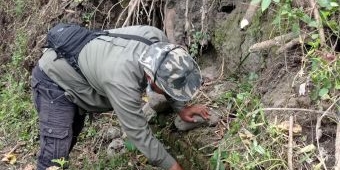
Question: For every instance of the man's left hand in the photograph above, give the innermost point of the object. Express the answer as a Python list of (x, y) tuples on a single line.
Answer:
[(188, 112)]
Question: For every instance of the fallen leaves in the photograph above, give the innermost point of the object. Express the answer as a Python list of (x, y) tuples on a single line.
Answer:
[(284, 126), (9, 158)]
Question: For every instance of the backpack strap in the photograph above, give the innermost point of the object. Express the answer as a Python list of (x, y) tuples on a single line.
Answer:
[(127, 36)]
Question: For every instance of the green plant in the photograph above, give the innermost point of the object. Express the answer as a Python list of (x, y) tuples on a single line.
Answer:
[(17, 112), (19, 7), (61, 162), (86, 17), (198, 38)]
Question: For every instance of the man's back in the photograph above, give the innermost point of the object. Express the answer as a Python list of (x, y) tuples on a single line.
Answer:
[(103, 60)]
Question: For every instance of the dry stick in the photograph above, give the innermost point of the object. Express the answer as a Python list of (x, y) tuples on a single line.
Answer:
[(315, 8), (290, 143), (15, 148), (272, 42), (187, 24), (151, 9), (319, 132), (109, 12), (290, 44), (337, 148), (132, 7), (120, 16), (327, 113)]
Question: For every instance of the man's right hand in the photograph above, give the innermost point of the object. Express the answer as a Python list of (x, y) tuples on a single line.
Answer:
[(176, 166)]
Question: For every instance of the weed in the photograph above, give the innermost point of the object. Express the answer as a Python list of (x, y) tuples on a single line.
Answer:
[(250, 142), (198, 38), (61, 162), (17, 112), (19, 7)]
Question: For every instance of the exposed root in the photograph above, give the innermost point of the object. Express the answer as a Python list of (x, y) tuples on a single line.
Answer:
[(279, 40)]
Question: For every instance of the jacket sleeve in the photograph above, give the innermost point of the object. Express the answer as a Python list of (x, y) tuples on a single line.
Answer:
[(127, 104)]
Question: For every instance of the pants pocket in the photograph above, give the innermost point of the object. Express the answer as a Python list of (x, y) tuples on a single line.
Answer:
[(54, 144)]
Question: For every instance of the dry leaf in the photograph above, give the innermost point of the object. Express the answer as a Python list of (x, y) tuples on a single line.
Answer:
[(308, 148), (9, 158), (29, 167), (246, 136), (284, 126)]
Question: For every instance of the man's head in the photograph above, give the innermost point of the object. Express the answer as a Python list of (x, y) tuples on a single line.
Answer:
[(172, 69)]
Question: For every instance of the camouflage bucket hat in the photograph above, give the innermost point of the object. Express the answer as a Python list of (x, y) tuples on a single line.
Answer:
[(172, 69)]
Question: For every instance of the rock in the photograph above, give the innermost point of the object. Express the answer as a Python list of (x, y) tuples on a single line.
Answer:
[(113, 133), (116, 147), (292, 102), (304, 101), (184, 126), (209, 73), (279, 102)]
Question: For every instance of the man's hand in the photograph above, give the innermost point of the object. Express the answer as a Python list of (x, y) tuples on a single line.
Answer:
[(176, 166), (188, 112)]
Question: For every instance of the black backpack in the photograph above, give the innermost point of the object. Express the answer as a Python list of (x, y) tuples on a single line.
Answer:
[(67, 40)]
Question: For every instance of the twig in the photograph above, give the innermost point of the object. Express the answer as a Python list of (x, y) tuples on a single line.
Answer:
[(319, 132), (187, 24), (15, 147), (326, 113), (290, 44), (290, 143), (132, 7), (315, 8), (121, 14), (272, 42)]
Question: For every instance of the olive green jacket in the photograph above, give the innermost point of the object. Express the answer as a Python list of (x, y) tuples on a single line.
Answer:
[(114, 79)]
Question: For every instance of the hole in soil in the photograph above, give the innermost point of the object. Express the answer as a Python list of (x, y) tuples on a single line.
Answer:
[(337, 46), (227, 8)]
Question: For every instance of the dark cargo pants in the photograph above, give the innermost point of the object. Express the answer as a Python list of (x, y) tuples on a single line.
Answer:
[(59, 120)]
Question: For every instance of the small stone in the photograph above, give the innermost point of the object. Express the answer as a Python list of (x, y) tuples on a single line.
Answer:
[(304, 101), (279, 102), (113, 133), (116, 147), (184, 126), (292, 103)]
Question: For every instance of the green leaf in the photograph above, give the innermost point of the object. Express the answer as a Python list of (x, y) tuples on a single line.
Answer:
[(337, 85), (315, 36), (334, 4), (276, 1), (130, 146), (313, 24), (265, 4), (323, 3), (323, 92)]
